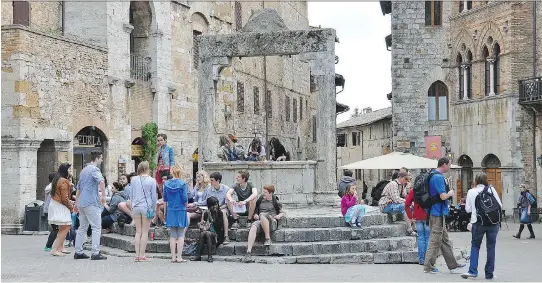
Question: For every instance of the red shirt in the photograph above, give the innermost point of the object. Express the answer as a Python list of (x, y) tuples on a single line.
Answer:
[(419, 212)]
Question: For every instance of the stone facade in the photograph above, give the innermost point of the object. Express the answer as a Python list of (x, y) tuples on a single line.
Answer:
[(366, 136), (97, 67), (485, 129)]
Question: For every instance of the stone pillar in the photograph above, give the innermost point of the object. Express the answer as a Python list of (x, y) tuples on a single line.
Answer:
[(19, 178), (323, 70), (491, 77), (465, 81), (209, 71)]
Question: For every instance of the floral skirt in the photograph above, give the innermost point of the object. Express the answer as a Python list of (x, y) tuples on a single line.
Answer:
[(352, 210)]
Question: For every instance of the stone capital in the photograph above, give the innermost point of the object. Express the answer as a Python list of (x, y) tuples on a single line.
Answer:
[(218, 64), (128, 28), (112, 80), (490, 60), (17, 144), (129, 83)]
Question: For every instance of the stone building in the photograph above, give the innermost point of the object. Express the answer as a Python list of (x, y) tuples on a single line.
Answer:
[(466, 71), (365, 136), (77, 76)]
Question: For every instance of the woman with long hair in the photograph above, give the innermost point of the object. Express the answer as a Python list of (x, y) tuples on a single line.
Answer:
[(61, 207), (165, 158), (256, 151), (175, 202), (199, 195), (143, 199), (211, 228), (525, 203)]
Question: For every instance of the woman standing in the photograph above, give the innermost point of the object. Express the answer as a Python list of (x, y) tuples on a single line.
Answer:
[(175, 202), (525, 203), (143, 198), (165, 158), (415, 212), (60, 207)]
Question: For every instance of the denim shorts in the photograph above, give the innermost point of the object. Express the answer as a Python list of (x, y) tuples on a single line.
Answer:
[(395, 208), (139, 211)]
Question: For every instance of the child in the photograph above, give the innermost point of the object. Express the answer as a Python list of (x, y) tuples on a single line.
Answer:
[(352, 211)]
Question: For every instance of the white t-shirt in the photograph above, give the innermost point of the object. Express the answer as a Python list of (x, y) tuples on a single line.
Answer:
[(470, 205)]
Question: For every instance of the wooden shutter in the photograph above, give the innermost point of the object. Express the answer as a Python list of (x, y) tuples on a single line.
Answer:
[(459, 190), (238, 14), (21, 13), (494, 178)]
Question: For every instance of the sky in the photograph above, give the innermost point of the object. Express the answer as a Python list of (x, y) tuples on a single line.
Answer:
[(363, 59)]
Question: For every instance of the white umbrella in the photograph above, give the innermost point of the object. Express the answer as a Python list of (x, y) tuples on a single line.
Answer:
[(395, 160)]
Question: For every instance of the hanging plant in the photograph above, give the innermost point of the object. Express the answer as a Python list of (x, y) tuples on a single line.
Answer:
[(149, 132)]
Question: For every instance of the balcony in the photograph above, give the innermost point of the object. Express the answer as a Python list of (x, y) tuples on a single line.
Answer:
[(140, 68), (530, 91)]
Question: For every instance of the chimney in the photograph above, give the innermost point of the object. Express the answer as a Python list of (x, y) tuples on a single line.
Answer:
[(367, 110)]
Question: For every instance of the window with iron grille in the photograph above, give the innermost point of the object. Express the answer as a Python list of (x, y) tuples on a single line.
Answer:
[(21, 13), (238, 14), (256, 100), (240, 97), (287, 102), (341, 140), (294, 106), (195, 49), (268, 106)]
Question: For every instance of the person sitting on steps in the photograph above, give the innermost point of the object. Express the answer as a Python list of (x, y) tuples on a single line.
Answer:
[(268, 212), (211, 229), (391, 201), (351, 210), (246, 195)]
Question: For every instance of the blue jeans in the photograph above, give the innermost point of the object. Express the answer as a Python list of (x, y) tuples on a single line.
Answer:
[(478, 232), (394, 208), (423, 239)]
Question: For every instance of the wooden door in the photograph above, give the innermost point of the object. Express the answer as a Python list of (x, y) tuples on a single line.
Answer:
[(459, 190), (494, 178)]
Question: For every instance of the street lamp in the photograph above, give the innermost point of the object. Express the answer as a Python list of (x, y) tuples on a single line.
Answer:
[(539, 159), (450, 156)]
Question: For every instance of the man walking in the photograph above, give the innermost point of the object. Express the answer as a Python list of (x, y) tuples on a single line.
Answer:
[(89, 203), (438, 239)]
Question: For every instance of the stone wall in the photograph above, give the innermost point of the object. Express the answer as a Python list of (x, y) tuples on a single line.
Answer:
[(417, 59), (375, 141), (294, 181)]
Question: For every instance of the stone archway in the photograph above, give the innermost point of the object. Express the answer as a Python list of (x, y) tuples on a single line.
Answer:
[(88, 139), (492, 167), (466, 177), (46, 162)]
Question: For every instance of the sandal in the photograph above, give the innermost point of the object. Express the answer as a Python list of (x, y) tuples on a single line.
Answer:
[(137, 259), (57, 253), (66, 252), (181, 260), (144, 258)]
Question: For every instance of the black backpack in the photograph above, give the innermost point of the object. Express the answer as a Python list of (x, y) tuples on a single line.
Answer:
[(422, 196), (488, 209), (377, 190)]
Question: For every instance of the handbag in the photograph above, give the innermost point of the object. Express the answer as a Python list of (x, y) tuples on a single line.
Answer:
[(205, 225), (150, 211)]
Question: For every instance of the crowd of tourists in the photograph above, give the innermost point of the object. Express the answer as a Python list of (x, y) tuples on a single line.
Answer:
[(92, 207), (424, 204), (167, 200)]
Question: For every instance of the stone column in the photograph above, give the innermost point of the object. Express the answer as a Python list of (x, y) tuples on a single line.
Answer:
[(465, 81), (19, 179), (209, 71), (491, 77), (323, 70)]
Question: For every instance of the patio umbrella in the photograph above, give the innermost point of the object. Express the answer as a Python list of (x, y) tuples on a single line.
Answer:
[(395, 160)]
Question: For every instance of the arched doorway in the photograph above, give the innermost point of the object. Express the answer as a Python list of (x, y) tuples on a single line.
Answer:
[(492, 168), (85, 141), (137, 150), (46, 165), (466, 178)]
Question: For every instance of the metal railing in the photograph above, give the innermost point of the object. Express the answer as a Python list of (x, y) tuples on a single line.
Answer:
[(530, 90), (140, 68)]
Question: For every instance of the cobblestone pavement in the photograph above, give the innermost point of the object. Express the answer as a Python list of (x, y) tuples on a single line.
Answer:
[(23, 259)]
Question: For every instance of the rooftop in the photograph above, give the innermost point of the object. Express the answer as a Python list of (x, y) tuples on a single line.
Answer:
[(366, 118)]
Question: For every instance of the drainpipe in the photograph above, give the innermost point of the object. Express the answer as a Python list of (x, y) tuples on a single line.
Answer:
[(534, 40), (535, 185)]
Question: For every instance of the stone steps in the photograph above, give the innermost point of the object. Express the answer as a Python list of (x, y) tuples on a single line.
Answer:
[(126, 243), (388, 257)]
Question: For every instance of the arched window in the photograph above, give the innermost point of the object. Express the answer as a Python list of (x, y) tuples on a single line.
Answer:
[(469, 74), (199, 26), (485, 55), (437, 102), (459, 61), (496, 68)]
